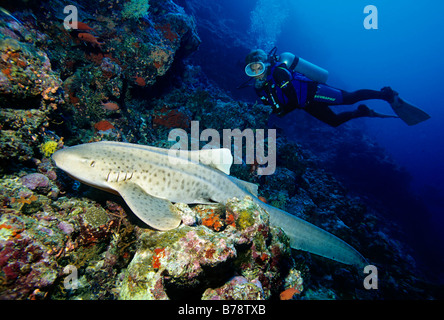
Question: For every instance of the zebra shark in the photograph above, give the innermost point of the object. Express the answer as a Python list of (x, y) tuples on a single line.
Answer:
[(149, 179)]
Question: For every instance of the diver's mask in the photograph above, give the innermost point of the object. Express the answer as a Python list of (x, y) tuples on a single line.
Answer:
[(255, 69)]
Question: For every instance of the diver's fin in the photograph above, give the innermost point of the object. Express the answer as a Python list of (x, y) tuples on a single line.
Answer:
[(375, 114), (407, 112), (364, 111)]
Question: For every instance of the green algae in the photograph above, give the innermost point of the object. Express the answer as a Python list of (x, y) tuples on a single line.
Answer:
[(245, 219), (95, 216), (160, 239)]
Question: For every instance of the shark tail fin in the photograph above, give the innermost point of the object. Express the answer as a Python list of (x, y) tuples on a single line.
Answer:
[(307, 237), (6, 12)]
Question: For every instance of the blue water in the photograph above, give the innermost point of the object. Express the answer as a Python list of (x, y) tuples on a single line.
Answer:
[(405, 52)]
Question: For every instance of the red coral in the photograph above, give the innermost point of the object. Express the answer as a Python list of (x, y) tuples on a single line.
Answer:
[(11, 272), (7, 72), (210, 253), (158, 64), (14, 233), (158, 253), (167, 32), (140, 81), (73, 99), (97, 58), (213, 221), (230, 220), (171, 119)]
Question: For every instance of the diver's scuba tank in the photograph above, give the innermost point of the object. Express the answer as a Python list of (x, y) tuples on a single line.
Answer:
[(300, 65)]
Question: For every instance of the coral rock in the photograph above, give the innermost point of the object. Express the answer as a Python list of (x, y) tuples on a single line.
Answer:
[(238, 288), (26, 72), (203, 261), (36, 182)]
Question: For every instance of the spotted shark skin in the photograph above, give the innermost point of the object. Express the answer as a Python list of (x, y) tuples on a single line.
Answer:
[(149, 179)]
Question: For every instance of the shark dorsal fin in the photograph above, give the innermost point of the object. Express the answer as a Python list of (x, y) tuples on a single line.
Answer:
[(219, 159)]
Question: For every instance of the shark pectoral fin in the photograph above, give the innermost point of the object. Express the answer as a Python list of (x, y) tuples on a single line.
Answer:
[(155, 212)]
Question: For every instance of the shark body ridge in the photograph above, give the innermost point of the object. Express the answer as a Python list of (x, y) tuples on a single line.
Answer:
[(149, 179)]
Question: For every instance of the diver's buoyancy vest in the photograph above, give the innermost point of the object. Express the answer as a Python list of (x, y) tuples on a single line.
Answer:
[(278, 95)]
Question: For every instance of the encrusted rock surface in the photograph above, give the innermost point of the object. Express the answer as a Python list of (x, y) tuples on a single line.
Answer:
[(193, 260)]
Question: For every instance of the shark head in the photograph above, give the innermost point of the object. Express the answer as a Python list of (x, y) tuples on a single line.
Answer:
[(82, 163)]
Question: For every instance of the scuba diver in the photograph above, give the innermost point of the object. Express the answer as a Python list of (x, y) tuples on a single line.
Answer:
[(287, 82)]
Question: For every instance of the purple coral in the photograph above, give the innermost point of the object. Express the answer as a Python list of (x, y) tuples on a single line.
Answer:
[(36, 182), (66, 227)]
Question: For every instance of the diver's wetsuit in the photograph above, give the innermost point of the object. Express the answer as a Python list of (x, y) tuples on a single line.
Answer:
[(285, 94), (321, 110)]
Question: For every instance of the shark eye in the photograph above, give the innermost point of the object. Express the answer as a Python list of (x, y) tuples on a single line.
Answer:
[(93, 163)]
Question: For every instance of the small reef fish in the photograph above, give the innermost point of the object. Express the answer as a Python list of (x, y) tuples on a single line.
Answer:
[(112, 106), (149, 179), (83, 26), (288, 294), (87, 37)]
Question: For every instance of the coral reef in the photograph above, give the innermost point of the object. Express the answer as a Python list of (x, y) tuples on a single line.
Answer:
[(135, 9), (26, 73), (203, 260), (171, 119), (29, 92), (131, 80), (49, 147), (238, 288)]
